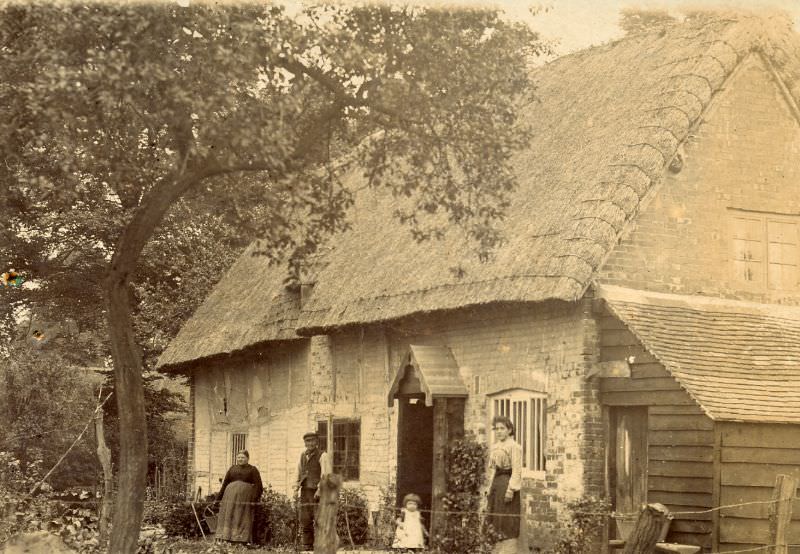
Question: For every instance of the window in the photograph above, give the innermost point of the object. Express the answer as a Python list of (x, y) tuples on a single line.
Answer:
[(527, 411), (238, 443), (346, 446), (765, 249)]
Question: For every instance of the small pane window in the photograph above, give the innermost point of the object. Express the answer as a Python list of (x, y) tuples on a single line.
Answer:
[(765, 249), (346, 446)]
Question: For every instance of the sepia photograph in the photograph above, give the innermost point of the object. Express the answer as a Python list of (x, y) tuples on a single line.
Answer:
[(474, 277)]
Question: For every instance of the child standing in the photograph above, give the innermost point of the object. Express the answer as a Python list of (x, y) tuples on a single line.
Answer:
[(410, 533)]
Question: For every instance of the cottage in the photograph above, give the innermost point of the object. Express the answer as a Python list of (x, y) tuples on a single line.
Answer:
[(639, 324)]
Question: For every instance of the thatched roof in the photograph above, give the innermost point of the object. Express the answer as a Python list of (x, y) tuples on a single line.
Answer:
[(739, 360), (608, 123), (250, 304)]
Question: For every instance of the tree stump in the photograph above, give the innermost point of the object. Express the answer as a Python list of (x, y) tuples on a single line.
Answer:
[(647, 531), (325, 539)]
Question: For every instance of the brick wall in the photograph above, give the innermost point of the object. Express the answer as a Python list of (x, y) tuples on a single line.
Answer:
[(742, 156), (545, 347)]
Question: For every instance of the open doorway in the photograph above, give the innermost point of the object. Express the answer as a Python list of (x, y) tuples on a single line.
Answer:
[(415, 451)]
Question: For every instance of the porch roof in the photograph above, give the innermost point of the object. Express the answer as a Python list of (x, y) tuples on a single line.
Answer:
[(740, 361), (437, 371)]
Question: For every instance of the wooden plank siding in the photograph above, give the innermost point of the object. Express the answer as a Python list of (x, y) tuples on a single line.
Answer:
[(751, 456), (680, 435)]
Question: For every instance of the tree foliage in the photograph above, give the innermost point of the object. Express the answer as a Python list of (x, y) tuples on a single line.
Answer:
[(135, 136), (44, 404)]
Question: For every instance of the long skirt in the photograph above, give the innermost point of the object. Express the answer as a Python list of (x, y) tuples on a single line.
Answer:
[(235, 519), (506, 525)]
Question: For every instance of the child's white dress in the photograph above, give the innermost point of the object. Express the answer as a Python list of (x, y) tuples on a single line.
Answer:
[(409, 533)]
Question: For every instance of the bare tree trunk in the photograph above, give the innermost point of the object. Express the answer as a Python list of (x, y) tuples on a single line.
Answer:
[(325, 539), (129, 505), (104, 454), (645, 535)]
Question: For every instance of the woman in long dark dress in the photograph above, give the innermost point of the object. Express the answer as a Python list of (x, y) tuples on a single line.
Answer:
[(240, 492), (506, 478)]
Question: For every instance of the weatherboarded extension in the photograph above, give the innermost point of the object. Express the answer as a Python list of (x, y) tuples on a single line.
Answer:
[(680, 437), (752, 455)]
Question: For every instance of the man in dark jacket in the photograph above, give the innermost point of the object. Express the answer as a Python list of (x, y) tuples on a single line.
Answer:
[(314, 465)]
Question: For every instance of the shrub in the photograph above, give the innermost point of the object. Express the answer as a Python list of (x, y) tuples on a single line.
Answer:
[(69, 515), (588, 515), (275, 521), (180, 520), (382, 534), (156, 510), (352, 516), (460, 529)]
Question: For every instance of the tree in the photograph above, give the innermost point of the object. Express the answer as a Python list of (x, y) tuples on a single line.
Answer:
[(633, 20), (125, 113), (161, 405), (44, 404)]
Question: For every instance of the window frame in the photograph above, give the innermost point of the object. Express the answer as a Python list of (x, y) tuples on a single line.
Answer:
[(234, 444), (763, 283), (532, 407), (349, 472)]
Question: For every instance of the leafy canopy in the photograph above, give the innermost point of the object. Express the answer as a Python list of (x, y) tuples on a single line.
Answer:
[(104, 104)]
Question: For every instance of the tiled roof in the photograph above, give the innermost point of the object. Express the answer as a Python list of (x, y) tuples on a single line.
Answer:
[(437, 371), (739, 360)]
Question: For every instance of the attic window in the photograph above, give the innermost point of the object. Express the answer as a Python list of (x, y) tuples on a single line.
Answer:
[(765, 249)]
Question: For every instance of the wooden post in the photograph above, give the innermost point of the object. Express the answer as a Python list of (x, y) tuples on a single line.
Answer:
[(104, 454), (780, 513), (439, 478), (325, 539), (647, 531)]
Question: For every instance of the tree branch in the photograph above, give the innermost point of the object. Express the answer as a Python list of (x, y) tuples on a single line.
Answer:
[(297, 68)]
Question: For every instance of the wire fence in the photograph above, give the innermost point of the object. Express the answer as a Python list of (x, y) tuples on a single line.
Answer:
[(95, 499)]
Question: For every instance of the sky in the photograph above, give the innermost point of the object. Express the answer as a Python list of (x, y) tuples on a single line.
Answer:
[(578, 24)]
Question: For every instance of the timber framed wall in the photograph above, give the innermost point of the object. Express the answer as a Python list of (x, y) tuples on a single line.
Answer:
[(680, 437), (751, 456)]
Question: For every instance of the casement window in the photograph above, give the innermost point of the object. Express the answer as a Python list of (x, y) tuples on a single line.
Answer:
[(238, 443), (765, 249), (527, 411), (346, 445)]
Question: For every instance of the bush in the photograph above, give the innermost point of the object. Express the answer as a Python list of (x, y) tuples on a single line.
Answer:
[(69, 515), (352, 516), (180, 520), (157, 510), (382, 534), (275, 522), (588, 515), (460, 529)]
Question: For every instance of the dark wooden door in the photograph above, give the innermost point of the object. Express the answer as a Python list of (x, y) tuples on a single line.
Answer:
[(415, 450), (628, 458)]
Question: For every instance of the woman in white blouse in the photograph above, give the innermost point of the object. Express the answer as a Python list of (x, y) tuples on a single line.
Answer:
[(505, 474)]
